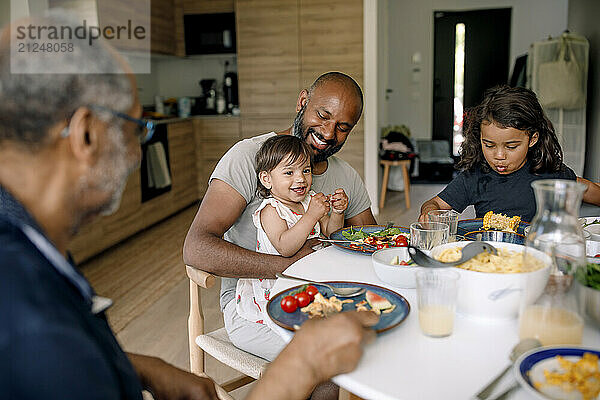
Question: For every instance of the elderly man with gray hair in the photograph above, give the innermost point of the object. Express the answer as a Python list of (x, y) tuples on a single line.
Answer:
[(68, 143)]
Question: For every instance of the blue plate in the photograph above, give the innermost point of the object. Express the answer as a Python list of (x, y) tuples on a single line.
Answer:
[(297, 318), (529, 368), (469, 225), (361, 249)]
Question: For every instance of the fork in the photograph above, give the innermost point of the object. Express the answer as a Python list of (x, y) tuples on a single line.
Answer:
[(345, 241), (338, 291)]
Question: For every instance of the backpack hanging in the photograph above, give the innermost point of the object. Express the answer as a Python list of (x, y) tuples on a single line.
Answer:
[(560, 81)]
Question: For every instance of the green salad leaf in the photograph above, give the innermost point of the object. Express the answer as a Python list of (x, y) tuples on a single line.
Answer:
[(299, 290), (387, 232), (589, 276), (354, 234)]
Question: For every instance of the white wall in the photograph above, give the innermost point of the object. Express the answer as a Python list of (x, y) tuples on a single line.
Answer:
[(178, 77), (411, 31), (147, 84), (583, 19)]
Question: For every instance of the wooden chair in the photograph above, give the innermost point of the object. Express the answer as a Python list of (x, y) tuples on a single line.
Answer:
[(404, 164), (216, 343)]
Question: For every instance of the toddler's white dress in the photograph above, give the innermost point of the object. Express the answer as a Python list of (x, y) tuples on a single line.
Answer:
[(252, 295)]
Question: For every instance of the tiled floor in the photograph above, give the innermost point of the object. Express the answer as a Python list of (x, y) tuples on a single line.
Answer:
[(162, 329)]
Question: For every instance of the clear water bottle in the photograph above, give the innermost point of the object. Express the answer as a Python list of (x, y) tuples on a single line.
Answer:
[(553, 316), (221, 105)]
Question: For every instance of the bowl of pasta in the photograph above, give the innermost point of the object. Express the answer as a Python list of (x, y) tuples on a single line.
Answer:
[(495, 286)]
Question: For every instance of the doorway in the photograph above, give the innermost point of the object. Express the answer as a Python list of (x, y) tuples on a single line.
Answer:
[(471, 54)]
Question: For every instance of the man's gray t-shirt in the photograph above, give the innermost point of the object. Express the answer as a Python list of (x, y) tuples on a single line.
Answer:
[(237, 169)]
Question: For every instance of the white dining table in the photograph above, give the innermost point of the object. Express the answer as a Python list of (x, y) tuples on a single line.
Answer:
[(404, 364)]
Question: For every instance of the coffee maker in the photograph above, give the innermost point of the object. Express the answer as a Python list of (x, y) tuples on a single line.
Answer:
[(230, 89), (205, 104)]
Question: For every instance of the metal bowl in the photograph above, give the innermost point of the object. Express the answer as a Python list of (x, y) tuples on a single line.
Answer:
[(496, 236)]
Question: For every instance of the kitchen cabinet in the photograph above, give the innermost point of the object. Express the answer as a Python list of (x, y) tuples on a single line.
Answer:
[(283, 47), (207, 6), (268, 57), (166, 23), (178, 11), (162, 23), (213, 137), (331, 35), (332, 40), (133, 215), (253, 126)]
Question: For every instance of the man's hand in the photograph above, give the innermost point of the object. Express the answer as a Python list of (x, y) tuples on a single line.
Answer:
[(321, 349), (333, 346), (166, 382), (339, 201), (318, 207), (435, 203)]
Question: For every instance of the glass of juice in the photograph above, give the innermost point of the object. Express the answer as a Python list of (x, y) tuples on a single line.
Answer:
[(436, 299), (553, 319)]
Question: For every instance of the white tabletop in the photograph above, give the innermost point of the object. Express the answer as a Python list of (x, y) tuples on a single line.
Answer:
[(404, 364)]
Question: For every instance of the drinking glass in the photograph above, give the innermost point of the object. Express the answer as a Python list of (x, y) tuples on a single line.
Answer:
[(427, 235), (449, 217), (436, 298)]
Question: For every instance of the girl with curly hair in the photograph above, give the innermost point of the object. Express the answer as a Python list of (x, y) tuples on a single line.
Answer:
[(509, 143)]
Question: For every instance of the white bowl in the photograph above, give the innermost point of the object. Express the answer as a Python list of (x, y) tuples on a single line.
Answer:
[(402, 276), (495, 295), (592, 247), (594, 231), (589, 298)]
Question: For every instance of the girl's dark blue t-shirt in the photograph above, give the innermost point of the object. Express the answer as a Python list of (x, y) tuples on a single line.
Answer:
[(510, 194)]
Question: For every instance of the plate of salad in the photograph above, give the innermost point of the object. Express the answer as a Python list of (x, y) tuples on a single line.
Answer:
[(366, 239)]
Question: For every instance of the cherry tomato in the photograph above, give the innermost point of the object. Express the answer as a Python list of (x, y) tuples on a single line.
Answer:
[(402, 263), (401, 241), (289, 304), (383, 246), (312, 292), (302, 298), (597, 255)]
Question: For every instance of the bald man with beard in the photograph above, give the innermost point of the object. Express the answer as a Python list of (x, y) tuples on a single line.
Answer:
[(222, 237)]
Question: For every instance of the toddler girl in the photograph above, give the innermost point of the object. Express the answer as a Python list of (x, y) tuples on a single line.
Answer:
[(289, 215), (509, 143)]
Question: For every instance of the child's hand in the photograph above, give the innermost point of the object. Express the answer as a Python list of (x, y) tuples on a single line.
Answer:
[(339, 201), (318, 206)]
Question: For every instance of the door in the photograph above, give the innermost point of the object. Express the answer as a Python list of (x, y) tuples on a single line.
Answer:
[(465, 68)]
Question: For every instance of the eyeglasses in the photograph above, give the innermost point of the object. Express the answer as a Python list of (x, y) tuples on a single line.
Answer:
[(144, 128)]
